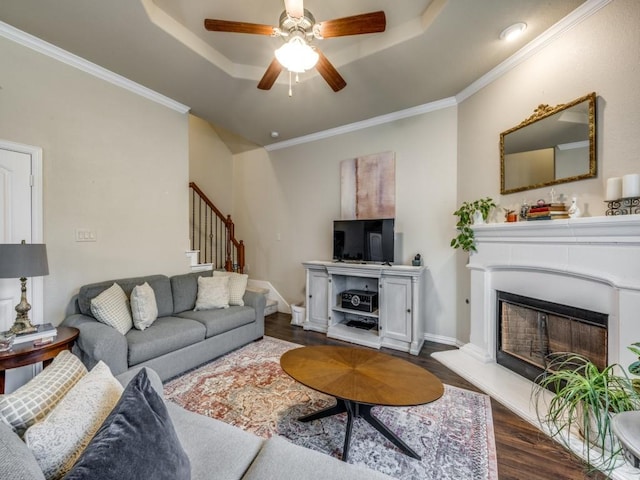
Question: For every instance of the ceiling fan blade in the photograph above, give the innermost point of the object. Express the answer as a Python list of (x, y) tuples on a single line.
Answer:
[(237, 27), (329, 73), (270, 76), (373, 22), (294, 8)]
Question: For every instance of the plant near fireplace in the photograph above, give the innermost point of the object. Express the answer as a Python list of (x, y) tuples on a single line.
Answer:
[(465, 238), (585, 398), (634, 368)]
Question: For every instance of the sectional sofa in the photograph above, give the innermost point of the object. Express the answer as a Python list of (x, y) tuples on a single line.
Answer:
[(178, 340), (214, 449)]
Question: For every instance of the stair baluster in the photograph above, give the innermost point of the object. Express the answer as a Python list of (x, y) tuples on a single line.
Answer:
[(213, 234)]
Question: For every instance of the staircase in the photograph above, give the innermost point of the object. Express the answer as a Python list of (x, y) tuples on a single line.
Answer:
[(214, 246), (212, 235)]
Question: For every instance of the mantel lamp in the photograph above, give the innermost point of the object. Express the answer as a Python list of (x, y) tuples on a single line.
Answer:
[(22, 260)]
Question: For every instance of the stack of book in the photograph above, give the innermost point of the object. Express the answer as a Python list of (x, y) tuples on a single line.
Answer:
[(44, 335), (547, 211)]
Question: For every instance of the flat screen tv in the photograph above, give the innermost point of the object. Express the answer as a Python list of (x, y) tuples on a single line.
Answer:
[(363, 240)]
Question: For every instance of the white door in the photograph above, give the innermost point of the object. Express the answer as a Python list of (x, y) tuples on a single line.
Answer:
[(18, 164), (15, 222)]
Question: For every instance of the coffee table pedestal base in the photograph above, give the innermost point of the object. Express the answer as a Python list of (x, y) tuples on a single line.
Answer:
[(355, 410)]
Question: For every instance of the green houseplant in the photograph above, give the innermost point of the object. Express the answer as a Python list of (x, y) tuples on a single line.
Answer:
[(465, 239), (585, 397), (634, 368)]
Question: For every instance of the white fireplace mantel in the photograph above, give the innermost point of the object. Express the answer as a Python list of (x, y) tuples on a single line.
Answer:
[(591, 263), (622, 228)]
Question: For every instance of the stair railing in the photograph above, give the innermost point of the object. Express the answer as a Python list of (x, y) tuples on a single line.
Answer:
[(213, 234)]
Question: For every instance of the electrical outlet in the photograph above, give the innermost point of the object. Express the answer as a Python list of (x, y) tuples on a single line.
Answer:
[(86, 235)]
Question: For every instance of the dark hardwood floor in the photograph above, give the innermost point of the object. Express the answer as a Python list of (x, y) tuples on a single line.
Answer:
[(523, 451)]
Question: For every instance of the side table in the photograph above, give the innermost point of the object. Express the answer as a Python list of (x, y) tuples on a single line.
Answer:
[(26, 353)]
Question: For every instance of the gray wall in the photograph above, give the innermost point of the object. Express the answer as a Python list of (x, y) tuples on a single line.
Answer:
[(285, 202), (113, 162), (601, 54)]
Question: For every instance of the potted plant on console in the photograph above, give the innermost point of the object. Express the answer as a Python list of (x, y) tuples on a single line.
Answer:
[(465, 239), (585, 397)]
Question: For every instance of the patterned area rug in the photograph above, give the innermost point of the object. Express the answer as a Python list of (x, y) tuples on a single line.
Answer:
[(248, 389)]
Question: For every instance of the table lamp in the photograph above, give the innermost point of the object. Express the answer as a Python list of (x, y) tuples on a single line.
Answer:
[(22, 260)]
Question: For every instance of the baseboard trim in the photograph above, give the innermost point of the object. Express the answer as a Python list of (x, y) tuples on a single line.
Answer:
[(429, 337), (283, 305)]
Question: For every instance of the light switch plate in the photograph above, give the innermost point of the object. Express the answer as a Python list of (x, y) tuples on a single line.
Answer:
[(86, 235)]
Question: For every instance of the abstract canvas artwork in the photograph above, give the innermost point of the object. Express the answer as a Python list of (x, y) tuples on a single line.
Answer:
[(368, 186)]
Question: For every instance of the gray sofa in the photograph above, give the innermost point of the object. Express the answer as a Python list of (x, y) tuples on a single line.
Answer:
[(178, 340), (215, 450)]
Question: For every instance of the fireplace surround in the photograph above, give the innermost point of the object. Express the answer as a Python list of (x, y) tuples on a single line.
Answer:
[(587, 263)]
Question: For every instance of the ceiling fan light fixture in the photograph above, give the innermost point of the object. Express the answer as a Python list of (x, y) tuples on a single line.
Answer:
[(297, 55), (513, 31)]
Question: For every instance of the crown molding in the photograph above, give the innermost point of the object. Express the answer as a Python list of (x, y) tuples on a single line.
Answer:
[(34, 43), (371, 122), (400, 34), (574, 18)]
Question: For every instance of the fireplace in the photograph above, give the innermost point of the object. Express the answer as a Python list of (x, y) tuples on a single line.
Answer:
[(532, 331), (590, 263)]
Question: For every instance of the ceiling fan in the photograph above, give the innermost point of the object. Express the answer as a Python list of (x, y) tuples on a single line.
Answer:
[(298, 28)]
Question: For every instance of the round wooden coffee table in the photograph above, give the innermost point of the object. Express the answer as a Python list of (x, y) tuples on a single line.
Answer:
[(360, 379), (27, 353)]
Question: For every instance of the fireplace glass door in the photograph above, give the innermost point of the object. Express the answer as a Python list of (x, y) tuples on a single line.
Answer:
[(531, 330)]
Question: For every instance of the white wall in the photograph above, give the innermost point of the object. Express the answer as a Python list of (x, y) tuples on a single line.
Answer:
[(601, 54), (210, 164), (114, 162), (119, 164), (285, 202)]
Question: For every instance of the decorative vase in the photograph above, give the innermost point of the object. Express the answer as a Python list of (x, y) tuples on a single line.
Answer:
[(478, 219), (574, 211)]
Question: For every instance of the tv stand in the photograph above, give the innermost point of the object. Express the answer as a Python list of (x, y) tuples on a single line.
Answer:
[(398, 321)]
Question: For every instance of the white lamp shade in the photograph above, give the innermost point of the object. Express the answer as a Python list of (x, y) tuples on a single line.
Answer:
[(296, 55), (19, 260)]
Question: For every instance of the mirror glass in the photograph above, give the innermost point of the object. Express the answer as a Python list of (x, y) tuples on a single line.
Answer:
[(554, 145)]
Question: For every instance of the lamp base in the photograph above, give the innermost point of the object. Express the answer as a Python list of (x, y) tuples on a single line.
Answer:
[(22, 325)]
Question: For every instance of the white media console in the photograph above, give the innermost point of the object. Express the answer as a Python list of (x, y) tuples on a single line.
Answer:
[(398, 321)]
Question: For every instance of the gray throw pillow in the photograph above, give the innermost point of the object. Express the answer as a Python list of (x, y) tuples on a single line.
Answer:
[(136, 441)]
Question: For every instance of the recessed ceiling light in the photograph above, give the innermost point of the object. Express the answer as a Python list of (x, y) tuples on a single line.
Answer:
[(275, 134), (513, 31)]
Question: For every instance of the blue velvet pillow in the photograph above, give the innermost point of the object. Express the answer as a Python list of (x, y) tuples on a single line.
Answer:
[(137, 440)]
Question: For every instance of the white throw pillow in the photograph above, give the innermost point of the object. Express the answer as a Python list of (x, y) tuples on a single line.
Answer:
[(144, 308), (213, 292), (111, 307), (34, 400), (237, 285), (58, 441)]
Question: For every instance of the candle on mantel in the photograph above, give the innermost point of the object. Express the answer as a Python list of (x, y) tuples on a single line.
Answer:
[(614, 188), (631, 185)]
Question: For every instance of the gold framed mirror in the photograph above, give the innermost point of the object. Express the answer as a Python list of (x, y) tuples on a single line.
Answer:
[(554, 145)]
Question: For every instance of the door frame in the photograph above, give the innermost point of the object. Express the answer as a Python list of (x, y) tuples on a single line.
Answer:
[(36, 293)]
